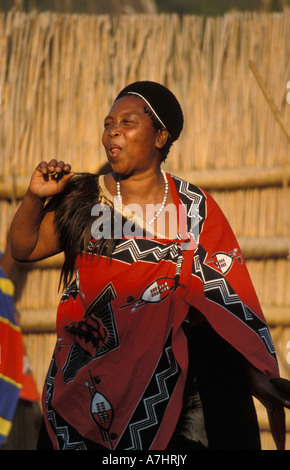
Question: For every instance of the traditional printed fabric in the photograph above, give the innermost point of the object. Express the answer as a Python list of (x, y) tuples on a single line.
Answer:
[(11, 357), (117, 376)]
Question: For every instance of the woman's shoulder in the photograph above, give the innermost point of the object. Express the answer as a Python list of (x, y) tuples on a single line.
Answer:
[(190, 193), (187, 188)]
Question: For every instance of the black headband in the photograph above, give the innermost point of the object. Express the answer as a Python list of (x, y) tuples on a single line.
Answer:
[(162, 103)]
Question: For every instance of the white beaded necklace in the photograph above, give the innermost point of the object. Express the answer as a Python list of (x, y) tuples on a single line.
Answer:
[(163, 202)]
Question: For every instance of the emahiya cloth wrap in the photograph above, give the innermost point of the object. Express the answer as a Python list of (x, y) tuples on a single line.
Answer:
[(162, 102)]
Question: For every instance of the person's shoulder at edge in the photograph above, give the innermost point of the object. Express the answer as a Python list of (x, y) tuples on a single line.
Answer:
[(188, 187)]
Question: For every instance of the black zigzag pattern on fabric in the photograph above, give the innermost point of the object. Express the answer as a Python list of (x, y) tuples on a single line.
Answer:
[(143, 249), (146, 419), (218, 290), (194, 200)]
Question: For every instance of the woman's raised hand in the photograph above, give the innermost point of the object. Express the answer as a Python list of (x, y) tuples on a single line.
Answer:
[(50, 178)]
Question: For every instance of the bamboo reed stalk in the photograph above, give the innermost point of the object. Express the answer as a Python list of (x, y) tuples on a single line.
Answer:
[(43, 320), (269, 99), (252, 247), (219, 68)]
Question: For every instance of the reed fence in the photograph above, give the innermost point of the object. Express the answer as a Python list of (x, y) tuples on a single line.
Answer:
[(59, 74)]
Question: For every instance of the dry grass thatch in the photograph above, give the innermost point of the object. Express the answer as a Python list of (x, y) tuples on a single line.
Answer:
[(58, 76)]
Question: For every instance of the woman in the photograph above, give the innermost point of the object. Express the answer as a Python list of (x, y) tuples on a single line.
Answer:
[(159, 335)]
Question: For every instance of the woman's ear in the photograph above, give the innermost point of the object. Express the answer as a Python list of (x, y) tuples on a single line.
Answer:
[(161, 138)]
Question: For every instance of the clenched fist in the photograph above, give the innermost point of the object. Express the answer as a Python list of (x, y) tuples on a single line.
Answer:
[(50, 178)]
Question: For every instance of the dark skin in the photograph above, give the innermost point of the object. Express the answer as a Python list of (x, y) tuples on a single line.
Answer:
[(33, 235), (132, 147)]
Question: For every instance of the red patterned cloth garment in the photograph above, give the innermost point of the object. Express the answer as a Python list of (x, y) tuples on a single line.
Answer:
[(118, 372)]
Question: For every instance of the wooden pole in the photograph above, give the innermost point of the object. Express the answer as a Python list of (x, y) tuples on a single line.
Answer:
[(221, 179), (269, 99)]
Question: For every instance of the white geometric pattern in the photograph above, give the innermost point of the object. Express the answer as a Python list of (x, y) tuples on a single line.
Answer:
[(156, 251), (151, 402)]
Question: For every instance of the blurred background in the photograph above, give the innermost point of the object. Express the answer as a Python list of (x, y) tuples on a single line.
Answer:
[(61, 65), (183, 7)]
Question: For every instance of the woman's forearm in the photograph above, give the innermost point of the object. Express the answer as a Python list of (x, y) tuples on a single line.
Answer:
[(25, 226), (32, 232)]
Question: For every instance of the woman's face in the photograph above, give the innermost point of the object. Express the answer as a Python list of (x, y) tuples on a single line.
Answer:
[(129, 138)]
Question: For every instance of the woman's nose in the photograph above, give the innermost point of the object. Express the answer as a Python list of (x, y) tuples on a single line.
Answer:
[(114, 130)]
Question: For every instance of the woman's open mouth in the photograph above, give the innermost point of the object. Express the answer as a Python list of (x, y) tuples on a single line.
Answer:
[(114, 151)]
